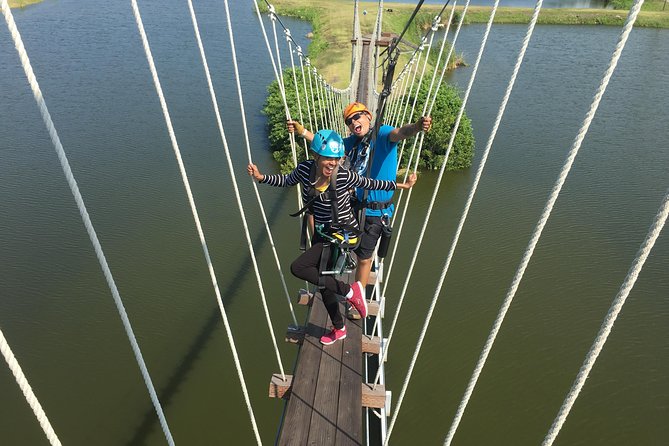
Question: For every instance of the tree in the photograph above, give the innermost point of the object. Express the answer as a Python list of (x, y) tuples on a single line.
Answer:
[(435, 142)]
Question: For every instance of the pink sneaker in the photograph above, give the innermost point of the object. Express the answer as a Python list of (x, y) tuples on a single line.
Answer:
[(358, 299), (332, 337)]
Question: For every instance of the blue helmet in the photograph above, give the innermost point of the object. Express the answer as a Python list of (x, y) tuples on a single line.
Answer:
[(328, 143)]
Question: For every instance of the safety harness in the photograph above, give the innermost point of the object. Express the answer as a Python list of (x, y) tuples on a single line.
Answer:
[(345, 238)]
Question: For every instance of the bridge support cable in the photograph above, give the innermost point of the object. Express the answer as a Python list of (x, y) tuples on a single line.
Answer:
[(453, 134), (191, 200), (281, 82), (399, 95), (278, 74), (536, 235), (436, 189), (248, 151), (500, 114), (304, 86), (74, 188), (289, 39), (233, 177), (22, 381), (611, 316), (431, 205)]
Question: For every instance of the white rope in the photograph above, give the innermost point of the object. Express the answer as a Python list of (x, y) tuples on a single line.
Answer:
[(248, 152), (23, 383), (436, 188), (291, 136), (74, 188), (413, 147), (297, 89), (191, 200), (544, 218), (304, 84), (607, 326), (233, 177), (479, 172)]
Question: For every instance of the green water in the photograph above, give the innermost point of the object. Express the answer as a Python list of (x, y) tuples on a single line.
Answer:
[(57, 312)]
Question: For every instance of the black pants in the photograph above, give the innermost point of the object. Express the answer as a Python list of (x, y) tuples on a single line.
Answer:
[(306, 267)]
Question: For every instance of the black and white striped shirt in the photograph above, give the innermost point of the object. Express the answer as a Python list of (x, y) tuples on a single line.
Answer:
[(346, 181)]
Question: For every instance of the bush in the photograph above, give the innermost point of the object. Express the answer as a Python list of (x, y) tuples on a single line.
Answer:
[(435, 143)]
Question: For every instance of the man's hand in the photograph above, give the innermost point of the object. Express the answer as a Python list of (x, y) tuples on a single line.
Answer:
[(424, 123)]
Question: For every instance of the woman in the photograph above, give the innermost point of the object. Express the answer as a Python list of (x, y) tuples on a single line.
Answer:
[(317, 176)]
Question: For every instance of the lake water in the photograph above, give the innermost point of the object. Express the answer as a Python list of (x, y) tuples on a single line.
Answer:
[(57, 313)]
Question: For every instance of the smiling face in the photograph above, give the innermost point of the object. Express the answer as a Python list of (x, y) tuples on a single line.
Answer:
[(326, 166), (358, 123)]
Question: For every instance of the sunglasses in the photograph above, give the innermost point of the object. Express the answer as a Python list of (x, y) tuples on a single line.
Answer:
[(355, 117)]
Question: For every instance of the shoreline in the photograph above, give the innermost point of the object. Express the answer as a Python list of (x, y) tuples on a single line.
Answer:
[(22, 3), (330, 49)]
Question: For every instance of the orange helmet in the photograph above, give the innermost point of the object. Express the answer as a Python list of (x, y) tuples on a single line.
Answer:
[(355, 107)]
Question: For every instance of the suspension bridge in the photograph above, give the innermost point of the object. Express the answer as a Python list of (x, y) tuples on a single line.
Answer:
[(338, 373)]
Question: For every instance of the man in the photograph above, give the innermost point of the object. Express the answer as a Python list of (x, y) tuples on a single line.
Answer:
[(383, 153)]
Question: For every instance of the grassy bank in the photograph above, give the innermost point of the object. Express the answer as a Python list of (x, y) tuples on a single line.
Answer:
[(22, 3), (332, 22)]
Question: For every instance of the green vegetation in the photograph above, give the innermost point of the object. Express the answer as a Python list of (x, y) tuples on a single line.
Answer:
[(434, 146), (22, 3), (332, 22)]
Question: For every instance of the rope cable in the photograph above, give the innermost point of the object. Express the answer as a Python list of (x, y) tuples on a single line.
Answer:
[(544, 217), (406, 205), (191, 200), (611, 316), (74, 188), (233, 177), (23, 383), (436, 190)]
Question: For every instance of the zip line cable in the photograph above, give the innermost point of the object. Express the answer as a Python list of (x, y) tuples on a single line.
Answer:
[(74, 188), (612, 315), (196, 218), (544, 217)]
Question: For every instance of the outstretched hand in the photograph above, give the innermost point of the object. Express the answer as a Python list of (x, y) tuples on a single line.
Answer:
[(295, 127), (424, 123), (411, 180), (253, 171)]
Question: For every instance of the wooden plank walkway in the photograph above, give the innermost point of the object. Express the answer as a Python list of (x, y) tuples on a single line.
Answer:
[(325, 399)]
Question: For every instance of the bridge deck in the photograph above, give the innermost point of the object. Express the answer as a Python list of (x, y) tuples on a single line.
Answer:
[(325, 403)]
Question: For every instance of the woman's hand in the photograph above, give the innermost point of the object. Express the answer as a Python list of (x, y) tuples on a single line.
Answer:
[(253, 171), (410, 182)]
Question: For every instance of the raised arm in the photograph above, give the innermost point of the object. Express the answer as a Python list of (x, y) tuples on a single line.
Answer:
[(277, 180), (299, 129), (423, 124)]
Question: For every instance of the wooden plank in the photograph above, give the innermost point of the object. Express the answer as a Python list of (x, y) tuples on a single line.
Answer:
[(372, 308), (278, 388), (324, 417), (373, 398), (295, 429), (371, 344), (304, 297), (349, 417)]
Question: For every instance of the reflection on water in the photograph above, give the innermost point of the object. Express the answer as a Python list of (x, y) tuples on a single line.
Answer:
[(59, 318)]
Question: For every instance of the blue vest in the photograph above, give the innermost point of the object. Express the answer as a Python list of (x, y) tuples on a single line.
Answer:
[(384, 167)]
